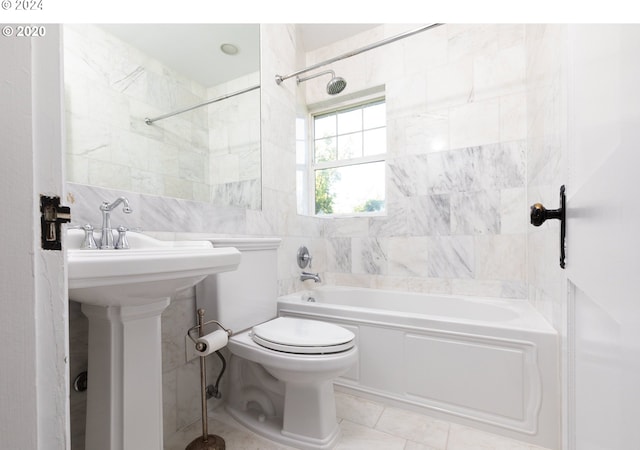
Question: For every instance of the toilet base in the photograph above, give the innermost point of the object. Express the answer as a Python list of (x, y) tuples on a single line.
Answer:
[(271, 428), (286, 397)]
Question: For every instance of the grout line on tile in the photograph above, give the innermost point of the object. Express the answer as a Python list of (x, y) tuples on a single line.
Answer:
[(384, 408), (446, 442)]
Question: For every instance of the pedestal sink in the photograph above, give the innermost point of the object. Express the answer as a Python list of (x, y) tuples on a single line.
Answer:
[(123, 293)]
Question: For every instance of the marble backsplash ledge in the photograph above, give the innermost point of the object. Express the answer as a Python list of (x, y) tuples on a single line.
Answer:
[(152, 213)]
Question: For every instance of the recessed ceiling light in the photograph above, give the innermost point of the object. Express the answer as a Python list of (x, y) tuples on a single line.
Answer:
[(229, 49)]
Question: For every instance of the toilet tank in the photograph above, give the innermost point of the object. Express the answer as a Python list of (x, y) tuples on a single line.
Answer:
[(247, 296)]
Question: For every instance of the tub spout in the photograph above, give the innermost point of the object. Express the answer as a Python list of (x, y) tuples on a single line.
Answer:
[(310, 276)]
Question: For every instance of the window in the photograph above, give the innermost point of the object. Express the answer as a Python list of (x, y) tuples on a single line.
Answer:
[(348, 160)]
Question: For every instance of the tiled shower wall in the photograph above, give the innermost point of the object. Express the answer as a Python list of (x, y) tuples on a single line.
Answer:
[(456, 164)]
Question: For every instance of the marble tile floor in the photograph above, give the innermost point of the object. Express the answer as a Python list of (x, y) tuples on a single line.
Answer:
[(364, 425)]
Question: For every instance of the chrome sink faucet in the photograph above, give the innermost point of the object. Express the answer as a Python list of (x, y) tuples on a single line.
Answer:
[(107, 233)]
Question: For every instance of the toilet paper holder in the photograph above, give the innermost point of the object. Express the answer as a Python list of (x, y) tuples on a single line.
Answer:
[(206, 441), (200, 327)]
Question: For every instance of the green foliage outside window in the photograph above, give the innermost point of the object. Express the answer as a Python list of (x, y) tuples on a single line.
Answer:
[(324, 196), (370, 205)]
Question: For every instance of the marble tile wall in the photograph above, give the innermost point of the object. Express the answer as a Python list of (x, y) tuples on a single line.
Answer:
[(456, 165)]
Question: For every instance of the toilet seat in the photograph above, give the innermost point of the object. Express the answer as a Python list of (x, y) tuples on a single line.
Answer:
[(302, 336)]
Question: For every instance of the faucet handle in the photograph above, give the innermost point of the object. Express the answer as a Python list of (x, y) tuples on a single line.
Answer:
[(89, 242), (304, 258), (122, 243)]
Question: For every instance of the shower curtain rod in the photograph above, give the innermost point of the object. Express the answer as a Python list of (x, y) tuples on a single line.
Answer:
[(281, 78), (149, 121)]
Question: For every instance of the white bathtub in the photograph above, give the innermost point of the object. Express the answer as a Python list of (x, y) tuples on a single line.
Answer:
[(488, 363)]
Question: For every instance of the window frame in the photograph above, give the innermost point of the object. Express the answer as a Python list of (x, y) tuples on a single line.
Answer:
[(312, 166)]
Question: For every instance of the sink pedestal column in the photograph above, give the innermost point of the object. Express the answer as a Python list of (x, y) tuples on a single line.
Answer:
[(124, 390)]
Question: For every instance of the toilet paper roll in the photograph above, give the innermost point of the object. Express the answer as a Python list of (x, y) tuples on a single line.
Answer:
[(209, 343)]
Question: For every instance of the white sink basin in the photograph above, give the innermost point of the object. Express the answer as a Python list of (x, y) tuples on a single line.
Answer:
[(150, 269)]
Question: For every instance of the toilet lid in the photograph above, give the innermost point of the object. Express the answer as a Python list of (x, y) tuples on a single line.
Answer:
[(288, 334)]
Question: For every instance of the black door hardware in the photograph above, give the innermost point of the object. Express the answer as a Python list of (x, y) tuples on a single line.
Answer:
[(539, 214), (52, 215)]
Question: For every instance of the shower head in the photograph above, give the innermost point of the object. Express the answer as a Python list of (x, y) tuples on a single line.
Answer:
[(334, 86)]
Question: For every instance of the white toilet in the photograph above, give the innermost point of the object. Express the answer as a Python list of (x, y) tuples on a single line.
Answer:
[(282, 369)]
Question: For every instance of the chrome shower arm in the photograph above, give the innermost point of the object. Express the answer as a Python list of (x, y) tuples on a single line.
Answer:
[(316, 75)]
